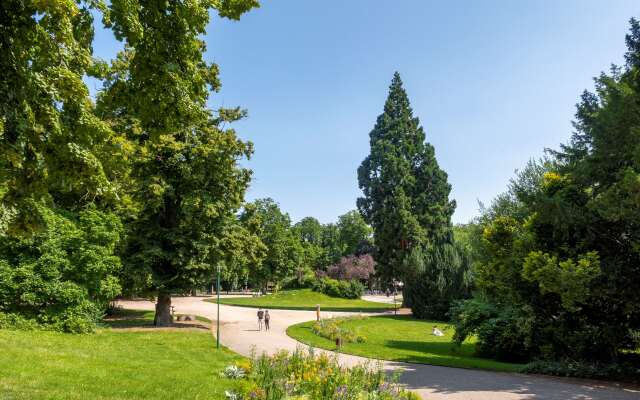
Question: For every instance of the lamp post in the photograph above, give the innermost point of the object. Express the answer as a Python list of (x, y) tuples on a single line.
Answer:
[(395, 305), (218, 302)]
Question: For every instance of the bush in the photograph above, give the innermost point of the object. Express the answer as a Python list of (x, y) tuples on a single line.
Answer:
[(63, 276), (624, 371), (333, 329), (346, 289), (502, 333), (304, 375), (353, 267)]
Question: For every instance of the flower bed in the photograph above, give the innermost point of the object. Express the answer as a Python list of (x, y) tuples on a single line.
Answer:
[(305, 375), (333, 329)]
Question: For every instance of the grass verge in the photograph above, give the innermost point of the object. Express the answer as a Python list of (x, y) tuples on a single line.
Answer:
[(305, 299), (402, 338), (114, 363)]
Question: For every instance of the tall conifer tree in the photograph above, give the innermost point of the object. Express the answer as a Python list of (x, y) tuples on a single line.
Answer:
[(406, 193)]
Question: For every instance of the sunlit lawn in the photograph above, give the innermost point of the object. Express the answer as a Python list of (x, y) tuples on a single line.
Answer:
[(113, 364), (402, 338), (305, 299)]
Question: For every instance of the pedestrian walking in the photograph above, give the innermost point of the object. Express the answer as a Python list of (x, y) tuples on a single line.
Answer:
[(267, 318), (260, 317)]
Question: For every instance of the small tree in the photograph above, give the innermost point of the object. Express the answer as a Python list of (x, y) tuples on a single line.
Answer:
[(284, 252)]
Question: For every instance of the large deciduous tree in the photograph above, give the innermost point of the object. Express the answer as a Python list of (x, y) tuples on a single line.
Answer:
[(186, 180), (59, 170), (406, 195)]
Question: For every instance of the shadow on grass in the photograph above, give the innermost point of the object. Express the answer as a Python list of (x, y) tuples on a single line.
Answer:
[(437, 348), (130, 319)]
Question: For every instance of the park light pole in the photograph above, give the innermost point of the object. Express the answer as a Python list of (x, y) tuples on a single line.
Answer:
[(218, 302), (395, 305)]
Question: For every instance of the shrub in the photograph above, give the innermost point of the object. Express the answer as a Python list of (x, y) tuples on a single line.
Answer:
[(502, 333), (335, 288), (63, 276), (353, 267), (302, 374), (624, 371), (333, 328)]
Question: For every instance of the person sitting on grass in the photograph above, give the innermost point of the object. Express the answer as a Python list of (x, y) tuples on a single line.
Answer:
[(436, 331)]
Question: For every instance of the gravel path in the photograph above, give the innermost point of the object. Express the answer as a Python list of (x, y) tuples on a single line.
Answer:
[(238, 331)]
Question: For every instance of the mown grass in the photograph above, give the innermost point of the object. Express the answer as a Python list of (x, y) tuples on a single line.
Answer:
[(402, 338), (305, 299), (113, 363)]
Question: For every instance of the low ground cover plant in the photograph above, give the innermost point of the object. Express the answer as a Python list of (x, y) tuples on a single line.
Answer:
[(305, 375), (333, 328), (352, 289)]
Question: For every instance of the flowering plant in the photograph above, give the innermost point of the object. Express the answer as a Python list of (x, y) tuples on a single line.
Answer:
[(305, 375)]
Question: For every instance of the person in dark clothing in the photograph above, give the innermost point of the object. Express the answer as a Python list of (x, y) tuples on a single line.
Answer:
[(267, 317), (260, 317)]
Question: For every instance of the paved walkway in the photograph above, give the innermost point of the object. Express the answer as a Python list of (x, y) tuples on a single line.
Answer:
[(238, 331)]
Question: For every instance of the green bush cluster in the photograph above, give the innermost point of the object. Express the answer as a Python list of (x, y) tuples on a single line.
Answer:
[(304, 375), (63, 276), (556, 259), (333, 328), (352, 289), (623, 371)]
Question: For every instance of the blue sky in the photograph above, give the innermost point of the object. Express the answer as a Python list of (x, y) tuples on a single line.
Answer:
[(493, 83)]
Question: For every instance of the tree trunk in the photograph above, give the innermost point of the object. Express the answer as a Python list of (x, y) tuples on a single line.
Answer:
[(163, 315)]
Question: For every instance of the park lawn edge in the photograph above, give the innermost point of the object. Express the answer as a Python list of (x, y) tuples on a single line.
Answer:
[(304, 308), (271, 303), (293, 329)]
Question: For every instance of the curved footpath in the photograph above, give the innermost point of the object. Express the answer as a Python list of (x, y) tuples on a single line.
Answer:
[(238, 331)]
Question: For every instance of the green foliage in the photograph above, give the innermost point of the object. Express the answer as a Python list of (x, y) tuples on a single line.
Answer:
[(64, 275), (284, 252), (302, 375), (53, 148), (352, 289), (557, 258), (619, 371), (406, 194), (186, 181), (503, 333), (353, 232), (333, 328)]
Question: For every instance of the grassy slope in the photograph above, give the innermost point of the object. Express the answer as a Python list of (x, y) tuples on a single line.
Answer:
[(112, 364), (305, 299), (405, 339)]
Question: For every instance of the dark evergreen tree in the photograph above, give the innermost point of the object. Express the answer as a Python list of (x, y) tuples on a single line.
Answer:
[(406, 198)]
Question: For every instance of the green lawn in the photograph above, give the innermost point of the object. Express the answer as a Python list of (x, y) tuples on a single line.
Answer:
[(305, 299), (402, 338), (113, 364)]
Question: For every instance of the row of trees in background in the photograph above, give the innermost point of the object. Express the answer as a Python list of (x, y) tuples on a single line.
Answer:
[(557, 257), (292, 255)]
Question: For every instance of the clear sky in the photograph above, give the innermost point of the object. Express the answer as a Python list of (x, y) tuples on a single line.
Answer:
[(493, 83)]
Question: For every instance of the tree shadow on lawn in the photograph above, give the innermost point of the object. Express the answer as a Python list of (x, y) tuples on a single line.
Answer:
[(140, 319), (436, 348)]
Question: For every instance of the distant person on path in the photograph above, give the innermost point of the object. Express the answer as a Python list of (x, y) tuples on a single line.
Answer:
[(260, 317), (267, 317), (436, 331)]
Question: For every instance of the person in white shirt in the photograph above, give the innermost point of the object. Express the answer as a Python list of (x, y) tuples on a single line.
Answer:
[(436, 331)]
